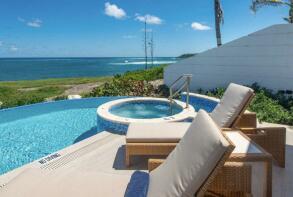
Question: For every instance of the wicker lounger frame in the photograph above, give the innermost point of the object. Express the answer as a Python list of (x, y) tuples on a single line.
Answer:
[(217, 183), (235, 178)]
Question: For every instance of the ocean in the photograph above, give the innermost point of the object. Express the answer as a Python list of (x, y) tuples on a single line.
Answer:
[(13, 69)]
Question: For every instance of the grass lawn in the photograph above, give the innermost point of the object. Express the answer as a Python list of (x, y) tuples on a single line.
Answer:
[(52, 82), (16, 93)]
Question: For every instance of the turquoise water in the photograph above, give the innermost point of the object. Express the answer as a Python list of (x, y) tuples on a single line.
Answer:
[(31, 132), (12, 69), (145, 110)]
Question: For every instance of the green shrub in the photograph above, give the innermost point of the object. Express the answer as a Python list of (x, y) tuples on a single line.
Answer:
[(146, 75), (217, 92), (269, 106), (280, 96), (120, 86), (270, 110), (134, 83), (61, 97)]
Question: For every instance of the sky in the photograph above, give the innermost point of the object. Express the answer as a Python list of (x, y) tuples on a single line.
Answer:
[(114, 28)]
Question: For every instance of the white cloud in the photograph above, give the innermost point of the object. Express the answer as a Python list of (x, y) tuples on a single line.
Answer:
[(20, 19), (35, 23), (149, 19), (13, 48), (199, 26), (114, 11), (129, 36)]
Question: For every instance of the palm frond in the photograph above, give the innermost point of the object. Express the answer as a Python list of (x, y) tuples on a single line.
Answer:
[(256, 4), (286, 19)]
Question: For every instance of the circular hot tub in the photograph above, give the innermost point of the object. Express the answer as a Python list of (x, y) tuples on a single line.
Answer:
[(118, 114)]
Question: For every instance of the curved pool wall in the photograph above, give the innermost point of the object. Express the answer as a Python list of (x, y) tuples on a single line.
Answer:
[(199, 101)]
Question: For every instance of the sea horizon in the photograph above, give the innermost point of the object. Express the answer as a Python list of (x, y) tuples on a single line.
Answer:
[(35, 68), (52, 57)]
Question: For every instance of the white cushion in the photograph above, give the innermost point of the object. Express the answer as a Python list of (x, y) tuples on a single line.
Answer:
[(160, 132), (191, 162), (242, 144), (231, 104)]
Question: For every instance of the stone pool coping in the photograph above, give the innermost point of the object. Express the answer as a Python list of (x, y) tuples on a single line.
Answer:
[(104, 111)]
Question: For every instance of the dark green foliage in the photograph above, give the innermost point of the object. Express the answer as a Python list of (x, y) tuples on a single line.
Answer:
[(61, 97), (187, 55), (163, 91), (147, 75), (135, 83), (270, 110), (269, 106), (120, 86), (217, 92)]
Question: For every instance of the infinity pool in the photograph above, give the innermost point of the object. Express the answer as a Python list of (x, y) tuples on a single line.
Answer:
[(30, 132)]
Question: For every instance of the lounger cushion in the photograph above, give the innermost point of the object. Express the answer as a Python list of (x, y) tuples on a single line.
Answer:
[(231, 104), (161, 132), (242, 144), (191, 162)]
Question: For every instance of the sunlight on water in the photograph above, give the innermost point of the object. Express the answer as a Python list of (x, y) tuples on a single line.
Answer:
[(145, 110)]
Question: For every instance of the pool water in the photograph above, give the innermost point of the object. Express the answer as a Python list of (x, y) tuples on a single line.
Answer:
[(30, 132), (145, 110)]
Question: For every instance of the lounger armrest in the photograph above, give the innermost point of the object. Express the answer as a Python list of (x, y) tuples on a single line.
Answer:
[(154, 163), (279, 132), (272, 139)]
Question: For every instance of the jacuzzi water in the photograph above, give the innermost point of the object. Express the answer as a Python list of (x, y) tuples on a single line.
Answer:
[(30, 132), (145, 109)]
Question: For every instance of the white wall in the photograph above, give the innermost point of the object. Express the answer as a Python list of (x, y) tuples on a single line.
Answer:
[(265, 57)]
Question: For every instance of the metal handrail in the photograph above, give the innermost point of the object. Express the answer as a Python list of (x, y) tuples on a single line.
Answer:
[(185, 85)]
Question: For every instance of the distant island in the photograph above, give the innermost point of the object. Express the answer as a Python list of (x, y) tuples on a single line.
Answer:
[(187, 55)]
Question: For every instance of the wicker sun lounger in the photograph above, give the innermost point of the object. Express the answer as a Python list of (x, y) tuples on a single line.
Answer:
[(197, 161), (161, 139)]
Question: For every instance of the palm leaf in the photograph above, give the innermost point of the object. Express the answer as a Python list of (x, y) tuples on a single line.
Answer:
[(256, 4)]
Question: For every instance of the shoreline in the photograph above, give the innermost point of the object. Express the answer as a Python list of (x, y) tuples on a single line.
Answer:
[(17, 93), (24, 92)]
